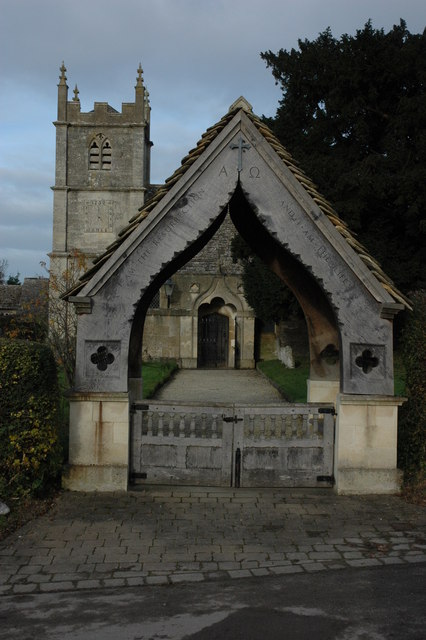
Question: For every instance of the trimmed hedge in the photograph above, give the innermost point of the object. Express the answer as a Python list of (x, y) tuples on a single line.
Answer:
[(30, 454), (412, 418)]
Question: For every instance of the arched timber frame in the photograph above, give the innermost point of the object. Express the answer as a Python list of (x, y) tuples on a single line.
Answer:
[(346, 307)]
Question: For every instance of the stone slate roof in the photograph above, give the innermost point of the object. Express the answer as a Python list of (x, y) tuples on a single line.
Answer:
[(206, 139), (10, 297), (16, 298), (34, 294)]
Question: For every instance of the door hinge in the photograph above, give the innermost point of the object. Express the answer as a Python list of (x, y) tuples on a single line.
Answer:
[(137, 406), (327, 410), (135, 476), (237, 478), (327, 479)]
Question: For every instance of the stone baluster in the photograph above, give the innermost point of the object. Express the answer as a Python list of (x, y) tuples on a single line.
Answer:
[(294, 425), (251, 425), (182, 426), (214, 426), (262, 431), (305, 426), (315, 424), (273, 433), (149, 428), (160, 425), (203, 424)]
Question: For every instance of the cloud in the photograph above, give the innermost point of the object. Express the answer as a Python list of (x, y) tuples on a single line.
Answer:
[(198, 57)]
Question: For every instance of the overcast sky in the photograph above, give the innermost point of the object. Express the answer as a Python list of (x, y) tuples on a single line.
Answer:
[(198, 56)]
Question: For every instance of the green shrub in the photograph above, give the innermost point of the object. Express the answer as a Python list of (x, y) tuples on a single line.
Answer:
[(23, 328), (30, 454), (412, 418)]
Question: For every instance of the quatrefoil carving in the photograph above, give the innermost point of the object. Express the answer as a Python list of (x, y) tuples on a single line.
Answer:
[(367, 361), (102, 358)]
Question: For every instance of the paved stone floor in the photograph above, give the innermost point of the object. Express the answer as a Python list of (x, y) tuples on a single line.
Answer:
[(164, 535), (219, 385)]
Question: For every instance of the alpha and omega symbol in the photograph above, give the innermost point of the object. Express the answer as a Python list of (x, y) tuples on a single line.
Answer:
[(367, 361), (254, 172), (102, 358)]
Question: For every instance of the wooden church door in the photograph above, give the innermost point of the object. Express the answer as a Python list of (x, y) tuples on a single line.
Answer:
[(213, 338)]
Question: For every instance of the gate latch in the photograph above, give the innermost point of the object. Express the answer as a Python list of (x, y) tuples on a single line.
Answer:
[(232, 419)]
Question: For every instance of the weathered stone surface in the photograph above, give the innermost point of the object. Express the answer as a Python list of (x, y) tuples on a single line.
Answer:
[(284, 211), (341, 299)]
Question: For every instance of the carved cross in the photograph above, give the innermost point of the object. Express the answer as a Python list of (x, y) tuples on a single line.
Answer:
[(241, 146)]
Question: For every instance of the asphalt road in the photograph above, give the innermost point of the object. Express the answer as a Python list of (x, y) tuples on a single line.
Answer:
[(379, 603)]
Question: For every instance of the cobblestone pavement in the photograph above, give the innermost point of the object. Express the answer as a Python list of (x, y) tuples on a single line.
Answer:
[(165, 535)]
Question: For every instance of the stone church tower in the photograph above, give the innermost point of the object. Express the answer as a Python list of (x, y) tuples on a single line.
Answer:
[(102, 171), (102, 180)]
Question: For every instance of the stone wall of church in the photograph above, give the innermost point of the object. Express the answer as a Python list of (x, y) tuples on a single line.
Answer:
[(216, 256), (172, 332)]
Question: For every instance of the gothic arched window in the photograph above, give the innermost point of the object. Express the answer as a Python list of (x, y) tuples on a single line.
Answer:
[(106, 155), (94, 156), (100, 154)]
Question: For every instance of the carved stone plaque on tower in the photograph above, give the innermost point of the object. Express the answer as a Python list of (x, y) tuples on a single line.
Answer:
[(100, 215)]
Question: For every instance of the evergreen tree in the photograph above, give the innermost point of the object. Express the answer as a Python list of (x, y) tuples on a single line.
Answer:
[(13, 279), (353, 113), (264, 290)]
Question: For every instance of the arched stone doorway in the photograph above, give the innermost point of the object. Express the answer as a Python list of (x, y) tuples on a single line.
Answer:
[(213, 340), (216, 335), (347, 302)]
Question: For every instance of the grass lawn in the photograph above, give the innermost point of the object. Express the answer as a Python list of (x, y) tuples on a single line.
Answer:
[(155, 374), (292, 382)]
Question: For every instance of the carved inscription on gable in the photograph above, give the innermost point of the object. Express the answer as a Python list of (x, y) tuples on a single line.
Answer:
[(320, 249), (100, 216), (166, 228)]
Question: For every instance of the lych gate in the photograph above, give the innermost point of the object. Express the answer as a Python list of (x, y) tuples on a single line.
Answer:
[(238, 445), (240, 167)]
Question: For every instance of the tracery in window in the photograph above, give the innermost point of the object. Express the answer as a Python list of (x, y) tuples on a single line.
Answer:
[(100, 154)]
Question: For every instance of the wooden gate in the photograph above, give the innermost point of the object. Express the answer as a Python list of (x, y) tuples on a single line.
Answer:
[(232, 445), (213, 337)]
